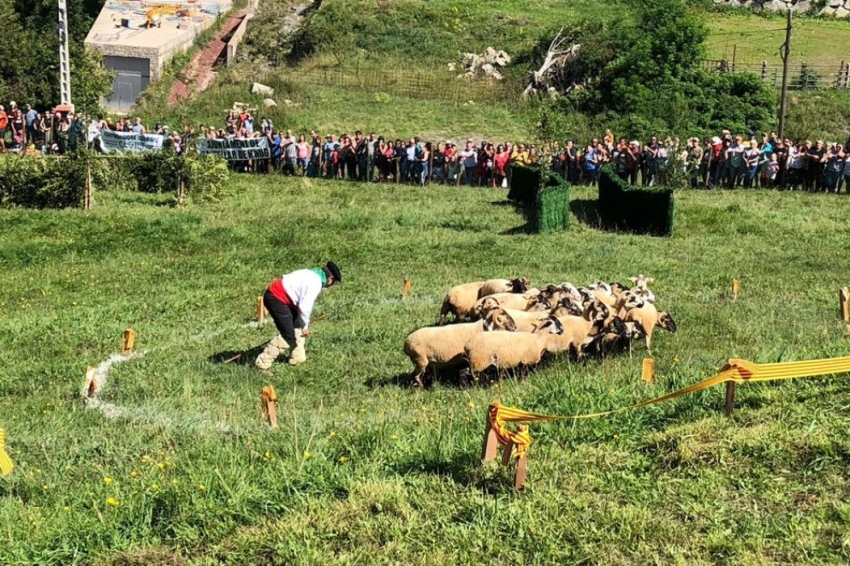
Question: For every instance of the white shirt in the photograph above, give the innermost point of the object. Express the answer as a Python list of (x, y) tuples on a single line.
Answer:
[(303, 287)]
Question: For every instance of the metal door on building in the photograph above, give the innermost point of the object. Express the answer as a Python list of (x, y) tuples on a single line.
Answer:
[(132, 76)]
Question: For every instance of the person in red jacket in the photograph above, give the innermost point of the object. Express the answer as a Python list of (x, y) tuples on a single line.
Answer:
[(290, 301)]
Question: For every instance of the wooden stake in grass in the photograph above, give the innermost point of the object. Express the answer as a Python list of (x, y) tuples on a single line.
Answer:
[(731, 388), (406, 289), (91, 386), (843, 296), (491, 442), (6, 465), (268, 400), (734, 288), (129, 341), (648, 370), (87, 195), (261, 311), (181, 192)]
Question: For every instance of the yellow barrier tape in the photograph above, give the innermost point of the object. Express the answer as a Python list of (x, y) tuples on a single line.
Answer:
[(739, 371), (6, 464)]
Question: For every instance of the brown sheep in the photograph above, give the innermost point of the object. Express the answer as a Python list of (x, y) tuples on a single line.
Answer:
[(461, 298), (509, 350), (442, 346)]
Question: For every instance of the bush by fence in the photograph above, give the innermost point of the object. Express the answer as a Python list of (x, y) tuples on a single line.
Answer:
[(646, 210), (60, 182), (547, 208)]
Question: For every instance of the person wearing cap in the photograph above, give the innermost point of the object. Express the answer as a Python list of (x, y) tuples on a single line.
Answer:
[(289, 301)]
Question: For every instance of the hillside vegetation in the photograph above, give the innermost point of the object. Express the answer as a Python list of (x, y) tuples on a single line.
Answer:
[(365, 469)]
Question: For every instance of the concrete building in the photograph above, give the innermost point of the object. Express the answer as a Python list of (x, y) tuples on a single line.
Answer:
[(137, 39)]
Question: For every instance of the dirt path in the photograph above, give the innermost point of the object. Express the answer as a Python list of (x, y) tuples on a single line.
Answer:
[(200, 69)]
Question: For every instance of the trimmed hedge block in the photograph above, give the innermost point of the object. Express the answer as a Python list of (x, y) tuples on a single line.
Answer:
[(547, 208), (645, 210), (553, 206)]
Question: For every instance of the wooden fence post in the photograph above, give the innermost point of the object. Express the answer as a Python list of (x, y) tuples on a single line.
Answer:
[(648, 370), (764, 71), (181, 192), (91, 386), (268, 400), (734, 288), (731, 387), (405, 291), (87, 196), (839, 76), (843, 297), (129, 339), (491, 442), (521, 466), (261, 311)]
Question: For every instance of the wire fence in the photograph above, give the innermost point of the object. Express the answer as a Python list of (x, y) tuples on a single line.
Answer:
[(431, 84), (801, 76)]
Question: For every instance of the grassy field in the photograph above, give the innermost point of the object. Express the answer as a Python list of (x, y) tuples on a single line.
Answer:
[(178, 467)]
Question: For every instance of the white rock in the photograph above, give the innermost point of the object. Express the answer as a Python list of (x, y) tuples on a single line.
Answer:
[(488, 69), (802, 6), (288, 102), (842, 12), (269, 103), (262, 89), (497, 75), (828, 11), (452, 67)]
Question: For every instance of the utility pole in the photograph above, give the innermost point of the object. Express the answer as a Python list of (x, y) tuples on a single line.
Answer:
[(785, 52), (64, 58)]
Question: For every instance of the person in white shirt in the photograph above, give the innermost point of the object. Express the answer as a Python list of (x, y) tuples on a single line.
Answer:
[(289, 300)]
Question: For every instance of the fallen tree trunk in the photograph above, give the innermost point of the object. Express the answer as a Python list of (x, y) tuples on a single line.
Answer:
[(556, 59)]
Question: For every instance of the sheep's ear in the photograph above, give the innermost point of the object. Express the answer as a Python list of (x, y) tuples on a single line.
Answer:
[(633, 279)]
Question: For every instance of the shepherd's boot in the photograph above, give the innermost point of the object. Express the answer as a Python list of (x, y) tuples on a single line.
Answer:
[(273, 349), (298, 356)]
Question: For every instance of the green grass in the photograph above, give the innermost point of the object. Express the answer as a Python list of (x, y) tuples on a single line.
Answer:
[(364, 470), (814, 41)]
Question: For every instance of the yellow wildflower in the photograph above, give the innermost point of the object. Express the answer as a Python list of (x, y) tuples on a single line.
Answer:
[(112, 501), (333, 434), (343, 459), (394, 437), (107, 480), (202, 487), (306, 454)]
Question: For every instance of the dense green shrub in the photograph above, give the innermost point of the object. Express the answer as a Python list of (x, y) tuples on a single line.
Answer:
[(635, 209), (41, 182), (59, 182)]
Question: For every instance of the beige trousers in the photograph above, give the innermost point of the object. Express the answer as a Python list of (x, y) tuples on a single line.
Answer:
[(272, 351)]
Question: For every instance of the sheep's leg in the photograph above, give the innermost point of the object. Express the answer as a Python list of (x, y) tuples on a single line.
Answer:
[(418, 372), (444, 310)]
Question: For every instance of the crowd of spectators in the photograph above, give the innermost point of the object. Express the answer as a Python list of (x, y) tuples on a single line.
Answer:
[(726, 160), (25, 130)]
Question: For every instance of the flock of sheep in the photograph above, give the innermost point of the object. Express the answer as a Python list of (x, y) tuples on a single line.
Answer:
[(513, 327)]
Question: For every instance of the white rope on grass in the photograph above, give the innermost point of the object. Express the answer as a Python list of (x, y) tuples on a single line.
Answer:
[(97, 378)]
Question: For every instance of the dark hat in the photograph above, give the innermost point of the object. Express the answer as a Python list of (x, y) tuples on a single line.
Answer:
[(333, 270)]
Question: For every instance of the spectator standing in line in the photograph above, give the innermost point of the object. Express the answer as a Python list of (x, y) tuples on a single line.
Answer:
[(303, 155), (814, 166), (371, 157), (362, 153), (276, 150), (752, 158), (796, 165), (695, 161), (248, 124), (622, 160), (833, 167), (4, 125), (30, 116), (737, 163), (424, 158), (500, 166), (845, 155), (650, 162), (469, 160), (590, 162), (230, 123), (290, 153)]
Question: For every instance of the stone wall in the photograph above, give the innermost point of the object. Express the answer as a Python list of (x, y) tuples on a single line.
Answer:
[(836, 8)]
